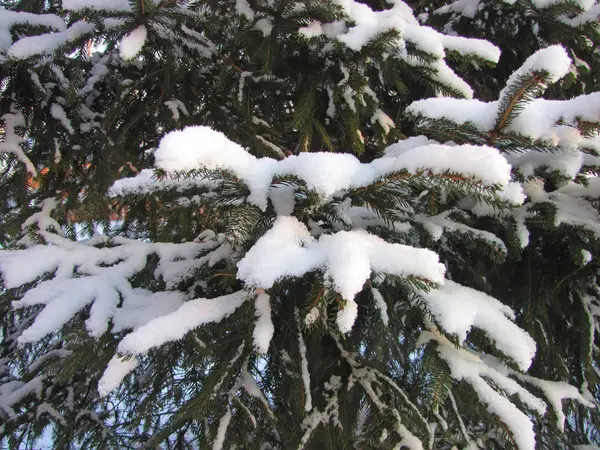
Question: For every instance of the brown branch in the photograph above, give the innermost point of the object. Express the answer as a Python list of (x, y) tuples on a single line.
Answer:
[(516, 98)]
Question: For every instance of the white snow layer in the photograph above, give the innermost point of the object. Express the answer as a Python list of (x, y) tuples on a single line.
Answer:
[(10, 18), (201, 147), (146, 181), (104, 281), (263, 327), (458, 308), (98, 5), (553, 59), (49, 42), (348, 257), (117, 369), (468, 366), (12, 141), (304, 366), (175, 325), (131, 44)]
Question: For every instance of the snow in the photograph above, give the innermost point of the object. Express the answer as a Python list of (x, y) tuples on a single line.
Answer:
[(283, 199), (263, 327), (14, 391), (49, 42), (102, 279), (331, 104), (570, 210), (97, 5), (10, 18), (435, 225), (201, 147), (59, 114), (222, 430), (12, 141), (384, 121), (140, 306), (304, 366), (112, 22), (43, 219), (584, 4), (46, 408), (131, 44), (288, 249), (367, 24), (312, 316), (176, 105), (175, 325), (56, 353), (553, 59), (457, 309), (381, 305), (243, 8), (586, 256), (264, 25), (556, 392), (250, 385), (468, 366), (405, 145), (346, 316), (466, 46), (467, 8), (348, 95), (274, 148), (591, 15), (568, 162), (581, 191), (536, 120)]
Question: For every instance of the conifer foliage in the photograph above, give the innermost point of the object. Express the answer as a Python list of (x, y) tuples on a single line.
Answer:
[(275, 224)]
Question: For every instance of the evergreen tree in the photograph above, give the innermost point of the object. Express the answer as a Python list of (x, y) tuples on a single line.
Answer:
[(215, 235)]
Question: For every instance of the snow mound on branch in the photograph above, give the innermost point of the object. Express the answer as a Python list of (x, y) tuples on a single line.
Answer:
[(175, 325), (100, 277), (328, 173), (117, 369), (554, 60), (131, 45), (469, 366), (458, 308), (263, 328), (50, 42), (369, 23), (348, 258), (97, 5), (10, 18)]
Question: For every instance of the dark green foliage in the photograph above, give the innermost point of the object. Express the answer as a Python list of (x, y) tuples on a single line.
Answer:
[(272, 93)]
